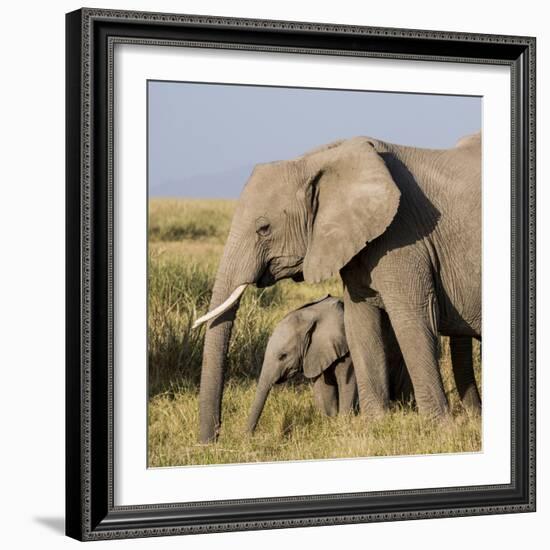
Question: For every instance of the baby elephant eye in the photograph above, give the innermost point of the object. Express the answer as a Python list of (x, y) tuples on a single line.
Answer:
[(263, 227), (282, 356)]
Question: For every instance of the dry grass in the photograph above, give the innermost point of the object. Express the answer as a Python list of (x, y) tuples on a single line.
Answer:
[(174, 219), (186, 242)]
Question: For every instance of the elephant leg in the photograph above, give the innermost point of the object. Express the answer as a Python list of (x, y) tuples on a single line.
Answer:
[(415, 327), (463, 370), (399, 380), (363, 324), (347, 385), (325, 394)]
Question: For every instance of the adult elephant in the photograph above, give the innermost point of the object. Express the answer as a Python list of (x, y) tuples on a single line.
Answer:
[(402, 225)]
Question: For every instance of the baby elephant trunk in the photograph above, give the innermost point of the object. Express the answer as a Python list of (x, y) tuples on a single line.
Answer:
[(258, 405)]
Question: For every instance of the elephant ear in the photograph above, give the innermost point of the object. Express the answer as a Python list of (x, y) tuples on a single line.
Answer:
[(353, 200), (325, 343)]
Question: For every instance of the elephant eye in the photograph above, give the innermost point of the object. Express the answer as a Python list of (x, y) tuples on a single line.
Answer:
[(263, 227), (282, 356)]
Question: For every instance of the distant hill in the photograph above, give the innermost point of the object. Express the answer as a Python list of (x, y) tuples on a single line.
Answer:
[(220, 185)]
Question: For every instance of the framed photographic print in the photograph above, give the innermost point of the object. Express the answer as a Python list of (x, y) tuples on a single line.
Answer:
[(300, 274)]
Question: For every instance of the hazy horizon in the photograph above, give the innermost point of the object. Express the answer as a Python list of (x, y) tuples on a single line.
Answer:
[(204, 139)]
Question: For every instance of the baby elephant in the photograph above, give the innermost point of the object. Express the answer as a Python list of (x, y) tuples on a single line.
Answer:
[(310, 339)]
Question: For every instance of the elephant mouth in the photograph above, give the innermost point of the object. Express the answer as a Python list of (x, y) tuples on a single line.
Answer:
[(292, 374), (266, 279), (281, 267)]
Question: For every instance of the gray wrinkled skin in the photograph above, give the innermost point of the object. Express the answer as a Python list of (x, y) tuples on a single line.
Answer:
[(401, 225)]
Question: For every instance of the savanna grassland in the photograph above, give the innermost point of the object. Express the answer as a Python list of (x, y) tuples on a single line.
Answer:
[(186, 239)]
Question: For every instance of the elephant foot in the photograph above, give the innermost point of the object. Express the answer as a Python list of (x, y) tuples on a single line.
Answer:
[(471, 401), (437, 412), (373, 411), (209, 435)]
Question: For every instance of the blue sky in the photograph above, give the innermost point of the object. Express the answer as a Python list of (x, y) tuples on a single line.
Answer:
[(204, 139)]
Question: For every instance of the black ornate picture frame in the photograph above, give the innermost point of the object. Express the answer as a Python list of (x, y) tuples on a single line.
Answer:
[(90, 510)]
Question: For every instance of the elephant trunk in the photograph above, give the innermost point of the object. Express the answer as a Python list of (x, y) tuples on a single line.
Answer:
[(216, 344), (258, 406), (233, 274)]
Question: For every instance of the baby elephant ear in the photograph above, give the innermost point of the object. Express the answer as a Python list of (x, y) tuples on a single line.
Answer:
[(353, 200), (325, 343)]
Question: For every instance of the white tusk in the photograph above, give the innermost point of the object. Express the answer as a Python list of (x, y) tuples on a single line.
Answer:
[(216, 312)]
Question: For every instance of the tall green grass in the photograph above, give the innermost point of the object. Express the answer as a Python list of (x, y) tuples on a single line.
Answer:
[(186, 242)]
